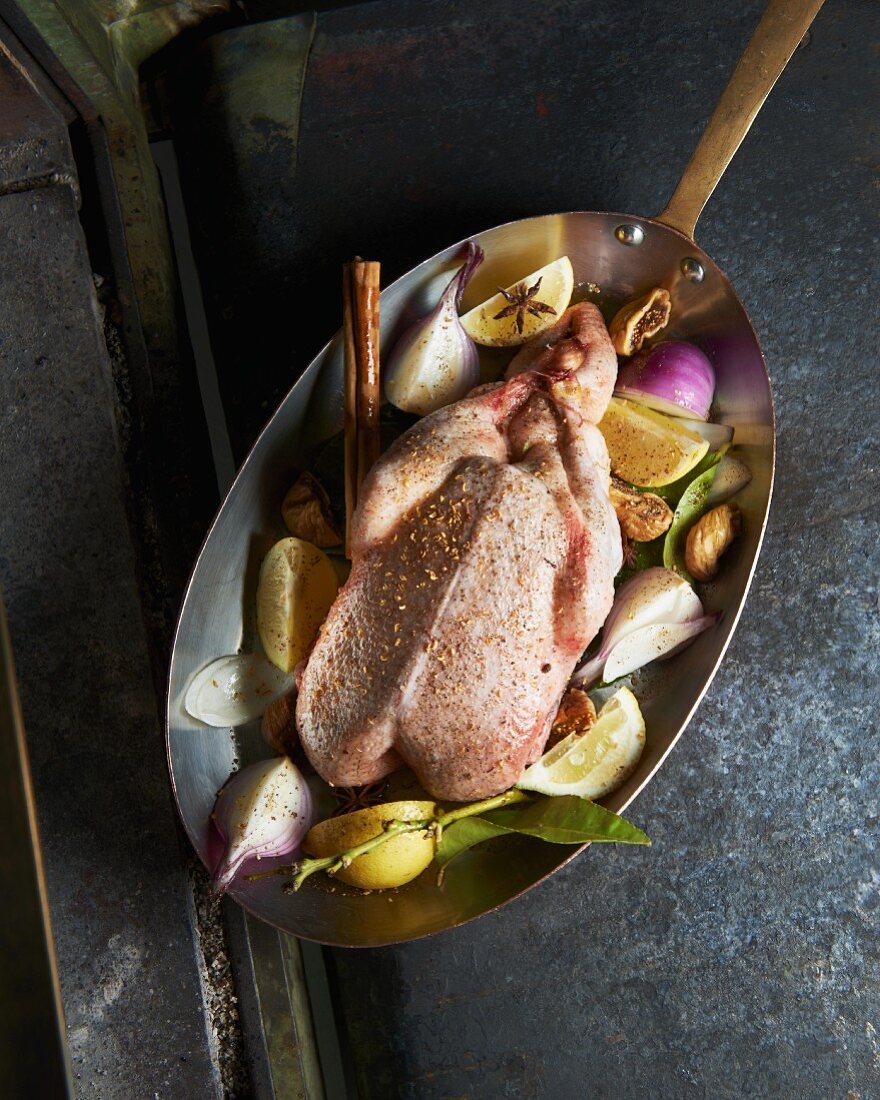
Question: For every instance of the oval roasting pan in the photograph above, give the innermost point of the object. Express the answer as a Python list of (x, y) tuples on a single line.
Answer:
[(621, 255)]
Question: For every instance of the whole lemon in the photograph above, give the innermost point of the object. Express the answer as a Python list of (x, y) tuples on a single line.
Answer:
[(397, 861)]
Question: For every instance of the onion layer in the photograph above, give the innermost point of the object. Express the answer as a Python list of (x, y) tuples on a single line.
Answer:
[(231, 691), (717, 435)]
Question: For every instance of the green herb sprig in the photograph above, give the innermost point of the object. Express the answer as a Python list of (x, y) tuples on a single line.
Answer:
[(564, 819)]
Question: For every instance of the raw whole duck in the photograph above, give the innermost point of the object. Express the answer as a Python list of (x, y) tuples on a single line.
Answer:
[(484, 548)]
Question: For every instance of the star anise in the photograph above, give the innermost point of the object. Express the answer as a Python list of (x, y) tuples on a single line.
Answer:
[(630, 551), (357, 798), (522, 301)]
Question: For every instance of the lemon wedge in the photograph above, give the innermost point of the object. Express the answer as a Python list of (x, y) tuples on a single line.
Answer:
[(594, 763), (647, 448), (555, 282), (297, 586), (397, 861)]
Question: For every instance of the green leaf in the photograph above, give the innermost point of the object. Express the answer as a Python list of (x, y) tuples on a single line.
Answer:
[(567, 819), (646, 555), (690, 508), (464, 834)]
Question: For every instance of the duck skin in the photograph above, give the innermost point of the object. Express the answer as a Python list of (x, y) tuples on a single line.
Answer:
[(484, 549)]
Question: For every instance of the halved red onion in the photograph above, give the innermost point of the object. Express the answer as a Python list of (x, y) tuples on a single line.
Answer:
[(264, 811), (673, 377), (655, 614), (435, 362)]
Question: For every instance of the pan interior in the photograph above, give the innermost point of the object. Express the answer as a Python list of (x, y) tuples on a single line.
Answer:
[(217, 616)]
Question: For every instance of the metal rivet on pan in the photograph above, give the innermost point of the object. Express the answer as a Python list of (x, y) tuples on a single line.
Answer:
[(629, 234), (692, 269)]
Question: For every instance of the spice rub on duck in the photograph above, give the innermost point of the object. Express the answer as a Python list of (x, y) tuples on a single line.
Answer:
[(484, 548)]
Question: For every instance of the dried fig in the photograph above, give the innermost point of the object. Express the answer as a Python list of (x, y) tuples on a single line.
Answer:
[(307, 512), (709, 538), (638, 321), (279, 724), (642, 516), (576, 715)]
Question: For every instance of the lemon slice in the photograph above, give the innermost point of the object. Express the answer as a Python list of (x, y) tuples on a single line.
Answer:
[(647, 448), (393, 863), (594, 763), (484, 325), (297, 586)]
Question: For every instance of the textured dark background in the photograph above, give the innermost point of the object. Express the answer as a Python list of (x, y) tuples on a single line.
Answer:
[(738, 956)]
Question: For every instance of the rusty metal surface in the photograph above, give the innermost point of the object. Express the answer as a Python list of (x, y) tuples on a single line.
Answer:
[(34, 147), (69, 569), (162, 459), (102, 45), (159, 417), (117, 887), (33, 1040), (738, 956)]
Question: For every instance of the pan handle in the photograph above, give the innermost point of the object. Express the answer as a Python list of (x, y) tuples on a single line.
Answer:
[(776, 37)]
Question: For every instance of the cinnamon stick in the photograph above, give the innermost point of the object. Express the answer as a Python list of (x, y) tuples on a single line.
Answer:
[(350, 407), (366, 287), (360, 296)]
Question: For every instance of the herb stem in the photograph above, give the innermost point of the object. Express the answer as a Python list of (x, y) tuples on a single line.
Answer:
[(337, 862), (487, 804)]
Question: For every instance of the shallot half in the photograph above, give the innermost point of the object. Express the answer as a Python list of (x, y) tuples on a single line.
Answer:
[(264, 810), (435, 362), (674, 377), (655, 614)]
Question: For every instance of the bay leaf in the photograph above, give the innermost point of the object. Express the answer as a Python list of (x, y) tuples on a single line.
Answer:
[(464, 834), (567, 819)]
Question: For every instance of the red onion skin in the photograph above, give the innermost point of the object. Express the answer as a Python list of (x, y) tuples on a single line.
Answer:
[(672, 377)]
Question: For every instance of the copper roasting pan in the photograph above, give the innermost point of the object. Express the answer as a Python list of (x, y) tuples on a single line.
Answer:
[(624, 255)]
